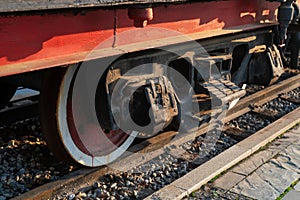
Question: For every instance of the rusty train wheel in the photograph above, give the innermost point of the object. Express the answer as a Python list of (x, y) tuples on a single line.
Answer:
[(86, 144)]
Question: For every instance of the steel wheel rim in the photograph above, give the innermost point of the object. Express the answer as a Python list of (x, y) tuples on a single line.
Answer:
[(67, 135)]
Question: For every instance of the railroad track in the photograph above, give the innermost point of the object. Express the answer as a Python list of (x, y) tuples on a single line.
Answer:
[(201, 175), (24, 105), (214, 62), (169, 146)]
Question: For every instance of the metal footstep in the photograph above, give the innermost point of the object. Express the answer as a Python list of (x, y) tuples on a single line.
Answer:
[(220, 94), (223, 92)]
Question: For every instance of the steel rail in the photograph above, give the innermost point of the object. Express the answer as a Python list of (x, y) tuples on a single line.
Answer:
[(204, 173), (153, 147), (24, 108)]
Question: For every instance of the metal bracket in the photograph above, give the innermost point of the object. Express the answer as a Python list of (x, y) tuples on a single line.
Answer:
[(145, 103)]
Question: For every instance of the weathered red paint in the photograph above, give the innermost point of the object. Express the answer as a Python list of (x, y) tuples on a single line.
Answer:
[(31, 42)]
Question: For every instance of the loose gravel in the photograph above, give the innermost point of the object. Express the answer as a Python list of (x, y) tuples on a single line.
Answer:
[(25, 162), (267, 114), (294, 93), (155, 174)]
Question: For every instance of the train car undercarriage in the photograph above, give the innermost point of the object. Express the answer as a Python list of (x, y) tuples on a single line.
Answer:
[(119, 83)]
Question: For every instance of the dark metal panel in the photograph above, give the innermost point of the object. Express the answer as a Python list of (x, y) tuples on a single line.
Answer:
[(31, 5)]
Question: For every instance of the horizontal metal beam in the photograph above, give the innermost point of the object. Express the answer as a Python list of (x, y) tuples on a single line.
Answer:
[(40, 5)]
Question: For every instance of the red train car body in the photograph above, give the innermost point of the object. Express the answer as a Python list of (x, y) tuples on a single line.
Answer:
[(44, 38)]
